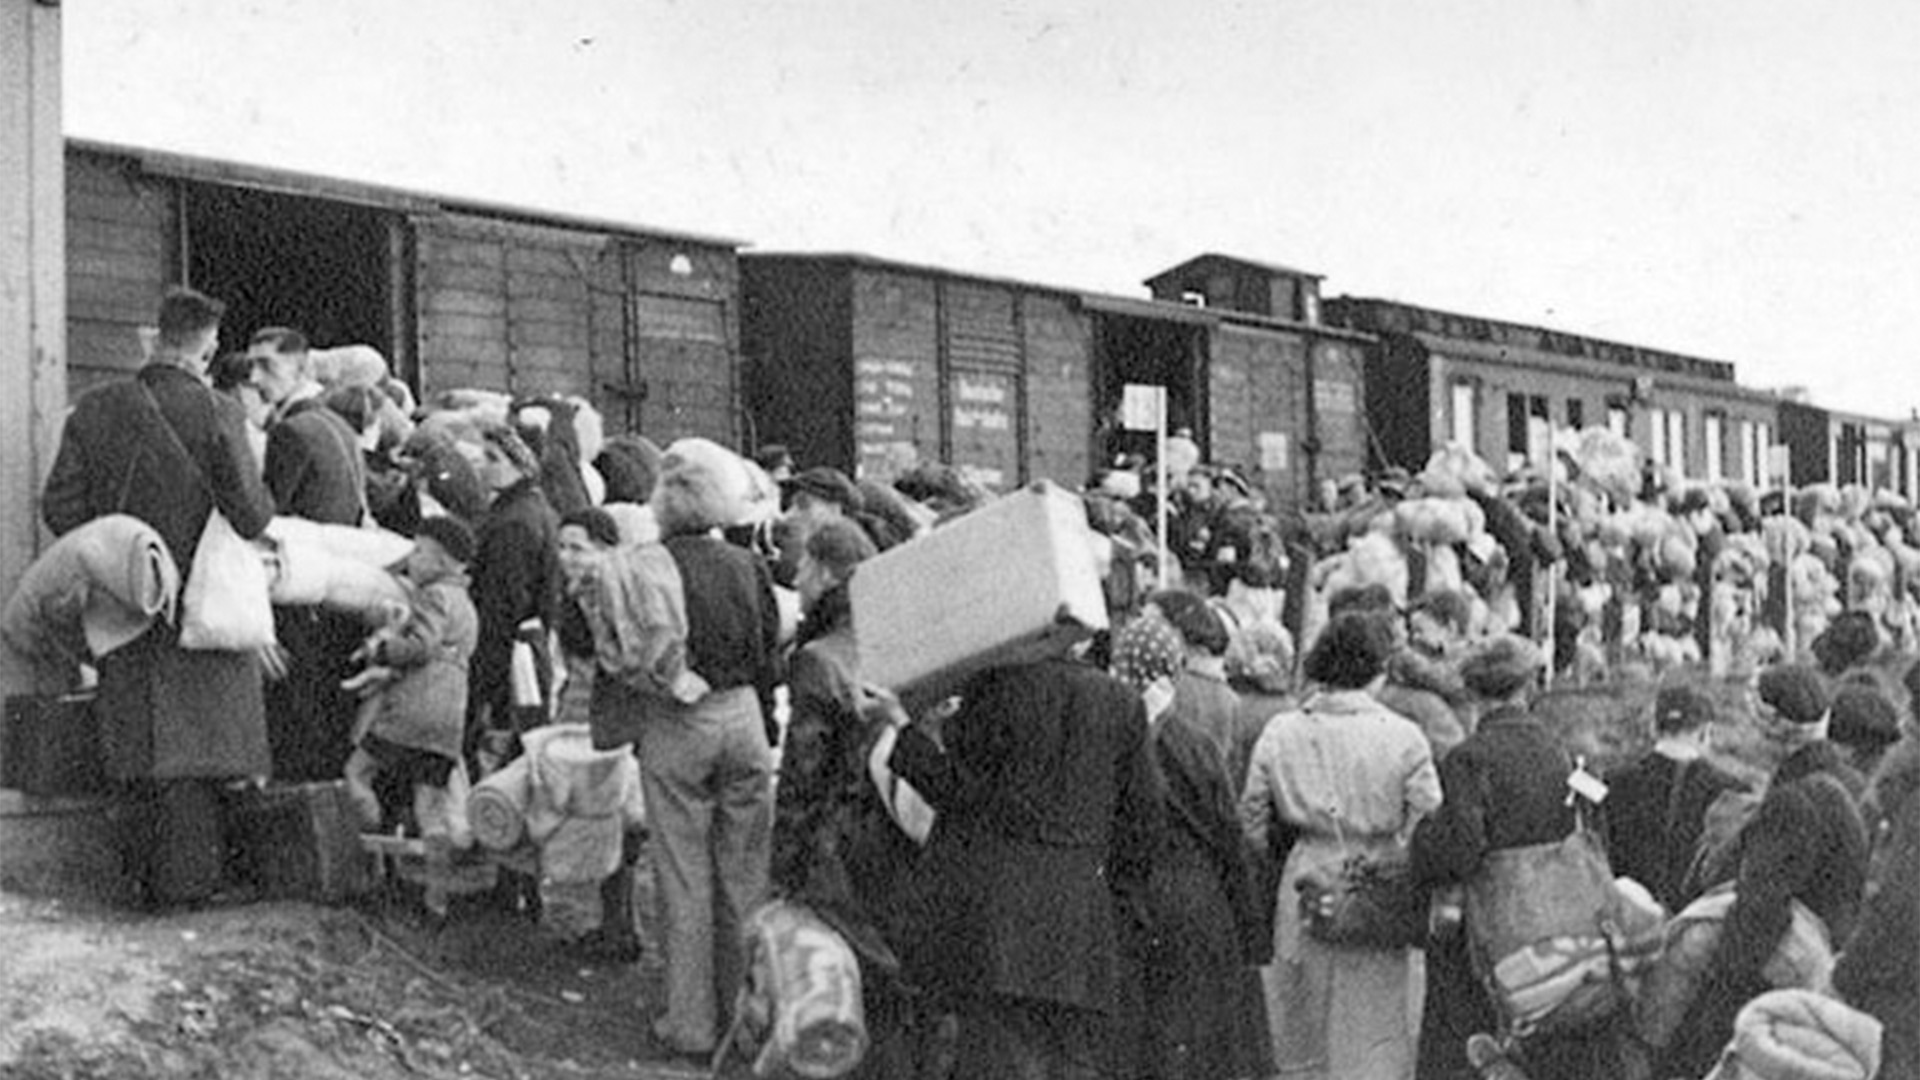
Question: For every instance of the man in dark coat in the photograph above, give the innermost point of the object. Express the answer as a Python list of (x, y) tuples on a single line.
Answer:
[(1504, 787), (1046, 817), (175, 723), (1806, 842), (1658, 805), (314, 470)]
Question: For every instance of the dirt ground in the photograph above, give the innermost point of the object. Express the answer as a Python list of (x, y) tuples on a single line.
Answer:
[(297, 991)]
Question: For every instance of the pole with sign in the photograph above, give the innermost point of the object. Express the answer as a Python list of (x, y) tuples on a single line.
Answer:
[(1144, 408)]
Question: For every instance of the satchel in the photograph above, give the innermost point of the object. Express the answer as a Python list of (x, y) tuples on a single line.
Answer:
[(1544, 927), (224, 605), (1367, 902)]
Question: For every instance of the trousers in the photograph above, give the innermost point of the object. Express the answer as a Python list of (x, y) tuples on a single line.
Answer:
[(707, 773)]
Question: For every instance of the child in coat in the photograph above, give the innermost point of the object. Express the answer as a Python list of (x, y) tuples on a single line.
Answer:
[(412, 721)]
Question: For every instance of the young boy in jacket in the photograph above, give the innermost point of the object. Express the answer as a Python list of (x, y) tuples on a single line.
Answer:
[(412, 721)]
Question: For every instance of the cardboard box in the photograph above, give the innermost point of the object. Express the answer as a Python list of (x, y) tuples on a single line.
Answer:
[(302, 842), (1011, 583), (51, 746)]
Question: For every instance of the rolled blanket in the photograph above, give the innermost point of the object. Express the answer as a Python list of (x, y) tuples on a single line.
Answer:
[(336, 566), (97, 588), (1801, 1035), (583, 781), (496, 808), (374, 547)]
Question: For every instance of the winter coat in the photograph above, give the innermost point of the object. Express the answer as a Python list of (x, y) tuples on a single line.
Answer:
[(514, 579), (1204, 1005), (1349, 778), (1806, 842), (1504, 787), (1047, 812), (167, 712), (1879, 970), (1652, 832), (314, 466), (834, 846), (425, 707)]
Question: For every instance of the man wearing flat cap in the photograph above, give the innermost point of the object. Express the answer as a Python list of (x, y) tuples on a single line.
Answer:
[(1806, 842), (1657, 807), (813, 497)]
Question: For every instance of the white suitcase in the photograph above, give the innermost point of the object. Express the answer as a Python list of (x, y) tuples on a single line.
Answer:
[(1011, 582)]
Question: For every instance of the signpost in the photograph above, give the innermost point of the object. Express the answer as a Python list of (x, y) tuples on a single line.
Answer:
[(1144, 408)]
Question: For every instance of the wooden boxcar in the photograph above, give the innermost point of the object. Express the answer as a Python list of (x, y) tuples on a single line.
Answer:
[(643, 322), (872, 366), (1438, 378)]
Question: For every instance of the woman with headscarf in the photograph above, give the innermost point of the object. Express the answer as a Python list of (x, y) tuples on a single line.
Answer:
[(835, 848), (1345, 776), (1202, 999), (514, 583)]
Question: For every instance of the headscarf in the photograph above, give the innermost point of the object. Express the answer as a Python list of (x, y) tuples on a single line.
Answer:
[(1146, 649)]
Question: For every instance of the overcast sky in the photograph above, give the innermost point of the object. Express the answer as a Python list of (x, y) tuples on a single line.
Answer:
[(1734, 179)]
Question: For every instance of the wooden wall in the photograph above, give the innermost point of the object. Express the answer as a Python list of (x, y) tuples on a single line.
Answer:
[(1060, 391), (122, 253), (645, 329)]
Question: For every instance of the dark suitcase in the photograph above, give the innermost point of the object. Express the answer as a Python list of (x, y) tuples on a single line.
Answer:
[(302, 842), (51, 746)]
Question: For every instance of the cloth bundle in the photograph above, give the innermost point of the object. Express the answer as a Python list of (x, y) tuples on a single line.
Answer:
[(97, 588), (568, 799), (1800, 1035), (637, 607), (802, 997), (343, 567), (1803, 960)]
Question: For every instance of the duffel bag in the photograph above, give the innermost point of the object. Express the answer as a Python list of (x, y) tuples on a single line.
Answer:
[(1544, 924)]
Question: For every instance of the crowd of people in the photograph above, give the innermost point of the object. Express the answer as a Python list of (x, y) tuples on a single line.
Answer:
[(1088, 865)]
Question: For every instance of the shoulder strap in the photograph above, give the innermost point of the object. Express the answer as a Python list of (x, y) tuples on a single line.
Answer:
[(1674, 795), (164, 428)]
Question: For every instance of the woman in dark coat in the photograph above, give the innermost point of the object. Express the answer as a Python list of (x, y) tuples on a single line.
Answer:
[(1504, 787), (515, 576), (835, 848), (1046, 818), (1205, 1017)]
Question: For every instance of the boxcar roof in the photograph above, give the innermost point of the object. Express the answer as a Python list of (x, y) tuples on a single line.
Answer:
[(335, 189)]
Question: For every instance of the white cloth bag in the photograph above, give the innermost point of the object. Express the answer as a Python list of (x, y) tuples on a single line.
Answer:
[(224, 605)]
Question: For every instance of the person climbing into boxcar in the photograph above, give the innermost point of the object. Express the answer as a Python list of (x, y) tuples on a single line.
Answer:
[(175, 724), (1342, 776)]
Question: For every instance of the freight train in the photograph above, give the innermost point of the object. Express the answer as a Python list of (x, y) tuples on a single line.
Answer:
[(874, 365)]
